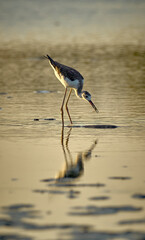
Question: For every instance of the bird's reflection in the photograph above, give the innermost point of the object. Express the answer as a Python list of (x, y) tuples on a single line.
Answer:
[(73, 169)]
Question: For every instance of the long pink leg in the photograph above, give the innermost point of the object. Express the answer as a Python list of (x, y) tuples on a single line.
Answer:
[(62, 107), (67, 106)]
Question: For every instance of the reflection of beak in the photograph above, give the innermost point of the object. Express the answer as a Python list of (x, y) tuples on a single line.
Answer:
[(92, 104)]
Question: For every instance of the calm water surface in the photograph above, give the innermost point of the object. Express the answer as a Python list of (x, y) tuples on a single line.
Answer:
[(83, 182), (93, 185)]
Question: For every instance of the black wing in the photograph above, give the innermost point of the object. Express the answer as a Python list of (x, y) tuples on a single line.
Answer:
[(66, 71)]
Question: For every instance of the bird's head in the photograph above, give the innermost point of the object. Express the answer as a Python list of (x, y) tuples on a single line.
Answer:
[(87, 96)]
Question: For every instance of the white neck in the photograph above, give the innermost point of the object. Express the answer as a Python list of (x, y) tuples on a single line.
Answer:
[(78, 94)]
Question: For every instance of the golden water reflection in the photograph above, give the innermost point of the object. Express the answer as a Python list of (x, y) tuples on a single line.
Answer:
[(73, 169)]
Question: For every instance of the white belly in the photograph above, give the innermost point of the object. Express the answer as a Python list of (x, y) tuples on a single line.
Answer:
[(67, 82)]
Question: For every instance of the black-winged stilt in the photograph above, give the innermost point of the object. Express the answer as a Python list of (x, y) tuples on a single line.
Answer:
[(70, 78)]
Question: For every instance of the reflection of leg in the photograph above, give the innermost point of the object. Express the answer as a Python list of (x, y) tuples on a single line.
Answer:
[(67, 106), (62, 107), (87, 154), (63, 147), (68, 135), (67, 148), (62, 135)]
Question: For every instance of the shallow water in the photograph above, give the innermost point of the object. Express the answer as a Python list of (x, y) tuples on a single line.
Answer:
[(88, 181), (85, 187)]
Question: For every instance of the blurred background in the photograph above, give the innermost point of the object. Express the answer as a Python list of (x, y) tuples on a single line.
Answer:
[(72, 21)]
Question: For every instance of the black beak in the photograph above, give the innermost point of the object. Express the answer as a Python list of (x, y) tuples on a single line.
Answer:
[(93, 105)]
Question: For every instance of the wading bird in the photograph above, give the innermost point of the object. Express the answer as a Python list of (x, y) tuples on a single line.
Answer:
[(70, 78)]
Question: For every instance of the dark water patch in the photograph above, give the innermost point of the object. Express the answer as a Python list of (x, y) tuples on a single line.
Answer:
[(25, 225), (70, 194), (63, 184), (120, 178), (94, 126), (132, 221), (3, 93), (45, 119), (9, 97), (6, 236), (42, 191), (54, 226), (125, 166), (0, 108), (105, 235), (139, 196), (14, 179), (19, 223), (95, 211), (97, 156), (100, 198), (43, 91), (16, 213), (73, 194), (18, 207), (48, 180), (49, 119), (6, 222)]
